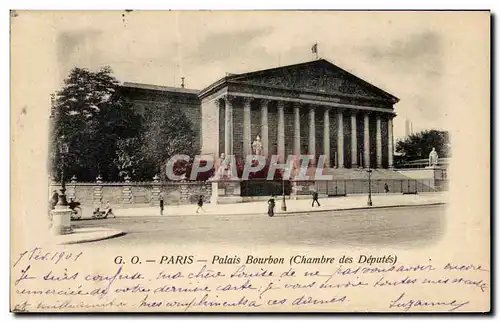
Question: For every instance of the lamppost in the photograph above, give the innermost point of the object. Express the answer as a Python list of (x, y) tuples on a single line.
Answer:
[(369, 203), (283, 203), (63, 151), (61, 215)]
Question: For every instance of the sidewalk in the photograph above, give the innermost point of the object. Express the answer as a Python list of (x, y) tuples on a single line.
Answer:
[(85, 235), (293, 206)]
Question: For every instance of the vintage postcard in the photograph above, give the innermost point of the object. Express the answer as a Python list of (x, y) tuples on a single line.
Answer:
[(250, 161)]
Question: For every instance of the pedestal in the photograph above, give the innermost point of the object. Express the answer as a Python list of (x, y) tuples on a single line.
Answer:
[(215, 193), (295, 190), (155, 195), (231, 192), (61, 220)]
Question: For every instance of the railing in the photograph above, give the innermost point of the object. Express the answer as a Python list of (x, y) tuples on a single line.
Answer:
[(341, 187), (347, 187), (420, 163), (265, 188)]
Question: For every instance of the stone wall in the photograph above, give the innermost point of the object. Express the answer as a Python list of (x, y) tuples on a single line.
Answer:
[(189, 103), (126, 194)]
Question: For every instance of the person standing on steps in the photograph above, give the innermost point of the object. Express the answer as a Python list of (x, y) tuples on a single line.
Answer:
[(315, 198), (200, 204)]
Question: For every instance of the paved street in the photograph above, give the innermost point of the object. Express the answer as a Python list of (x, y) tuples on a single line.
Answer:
[(402, 226)]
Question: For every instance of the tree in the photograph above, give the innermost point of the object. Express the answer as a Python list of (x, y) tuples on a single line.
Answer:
[(92, 117), (167, 132), (128, 158), (417, 146)]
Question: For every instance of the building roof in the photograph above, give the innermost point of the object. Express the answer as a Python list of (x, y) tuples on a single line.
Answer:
[(243, 76), (160, 88)]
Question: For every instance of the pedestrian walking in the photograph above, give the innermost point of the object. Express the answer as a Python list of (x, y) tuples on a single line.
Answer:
[(386, 188), (200, 204), (315, 198), (161, 205), (271, 204), (108, 210)]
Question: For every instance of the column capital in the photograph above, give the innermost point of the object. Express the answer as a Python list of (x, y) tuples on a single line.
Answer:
[(389, 116), (230, 98), (280, 103), (264, 101), (219, 101), (299, 104), (354, 112), (247, 99)]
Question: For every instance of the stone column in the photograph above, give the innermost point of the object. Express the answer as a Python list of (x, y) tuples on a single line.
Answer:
[(296, 129), (247, 135), (354, 141), (326, 136), (340, 139), (312, 134), (366, 145), (379, 142), (228, 127), (264, 135), (390, 143), (281, 131)]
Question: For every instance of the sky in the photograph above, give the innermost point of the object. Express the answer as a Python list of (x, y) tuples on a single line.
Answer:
[(409, 55)]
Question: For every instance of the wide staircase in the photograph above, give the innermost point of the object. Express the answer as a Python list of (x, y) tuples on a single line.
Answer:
[(347, 181), (361, 174)]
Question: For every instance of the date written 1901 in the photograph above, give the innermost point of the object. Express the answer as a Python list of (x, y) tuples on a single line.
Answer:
[(38, 254), (165, 259)]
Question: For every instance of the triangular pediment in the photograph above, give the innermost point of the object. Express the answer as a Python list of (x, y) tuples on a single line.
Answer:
[(319, 76)]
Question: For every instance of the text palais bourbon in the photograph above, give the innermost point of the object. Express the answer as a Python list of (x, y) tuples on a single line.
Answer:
[(249, 259)]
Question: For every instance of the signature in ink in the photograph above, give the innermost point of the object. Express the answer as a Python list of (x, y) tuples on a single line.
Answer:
[(407, 304)]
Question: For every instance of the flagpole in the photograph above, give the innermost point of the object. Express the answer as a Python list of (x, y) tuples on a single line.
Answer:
[(315, 50)]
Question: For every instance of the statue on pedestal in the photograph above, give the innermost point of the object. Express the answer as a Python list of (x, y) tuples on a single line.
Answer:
[(257, 146), (433, 158), (224, 169)]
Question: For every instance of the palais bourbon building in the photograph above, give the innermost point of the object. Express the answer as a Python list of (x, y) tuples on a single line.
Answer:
[(312, 108)]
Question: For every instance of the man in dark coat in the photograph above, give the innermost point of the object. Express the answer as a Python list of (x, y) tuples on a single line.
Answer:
[(271, 204), (161, 205), (200, 204), (315, 198)]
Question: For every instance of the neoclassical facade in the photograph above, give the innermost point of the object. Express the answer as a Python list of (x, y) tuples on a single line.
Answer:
[(311, 108)]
